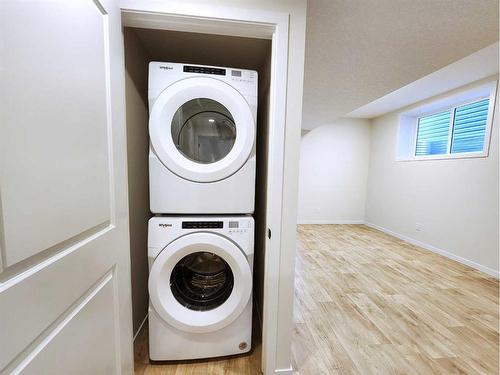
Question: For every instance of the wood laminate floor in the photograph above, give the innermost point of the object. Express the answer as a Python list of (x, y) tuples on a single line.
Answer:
[(368, 303)]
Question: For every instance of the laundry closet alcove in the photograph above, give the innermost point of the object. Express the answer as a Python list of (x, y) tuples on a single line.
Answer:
[(261, 47)]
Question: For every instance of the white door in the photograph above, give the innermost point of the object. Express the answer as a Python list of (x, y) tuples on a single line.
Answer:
[(202, 129), (200, 282), (65, 305)]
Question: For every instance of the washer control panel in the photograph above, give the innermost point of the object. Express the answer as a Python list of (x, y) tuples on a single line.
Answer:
[(202, 224), (164, 229), (236, 227)]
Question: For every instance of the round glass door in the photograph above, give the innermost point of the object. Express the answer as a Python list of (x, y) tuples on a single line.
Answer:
[(201, 281), (203, 130)]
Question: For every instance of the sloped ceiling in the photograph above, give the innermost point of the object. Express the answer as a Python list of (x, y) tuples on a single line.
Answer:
[(360, 50), (475, 67)]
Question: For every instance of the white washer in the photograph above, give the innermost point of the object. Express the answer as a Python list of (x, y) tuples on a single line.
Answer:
[(200, 286), (202, 127)]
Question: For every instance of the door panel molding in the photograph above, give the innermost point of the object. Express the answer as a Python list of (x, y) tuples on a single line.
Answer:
[(28, 267), (26, 356), (29, 306), (2, 238), (57, 176), (64, 249), (100, 7)]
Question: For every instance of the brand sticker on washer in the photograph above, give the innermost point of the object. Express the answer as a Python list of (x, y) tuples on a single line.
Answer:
[(163, 225), (166, 67)]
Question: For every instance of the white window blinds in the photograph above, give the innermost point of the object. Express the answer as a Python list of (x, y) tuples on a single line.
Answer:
[(461, 129), (469, 127)]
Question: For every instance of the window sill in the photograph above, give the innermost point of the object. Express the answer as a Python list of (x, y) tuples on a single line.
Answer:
[(468, 155)]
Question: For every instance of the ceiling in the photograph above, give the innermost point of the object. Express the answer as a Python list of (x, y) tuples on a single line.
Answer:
[(475, 67), (358, 51)]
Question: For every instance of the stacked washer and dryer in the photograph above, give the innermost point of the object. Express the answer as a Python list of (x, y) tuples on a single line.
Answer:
[(202, 128)]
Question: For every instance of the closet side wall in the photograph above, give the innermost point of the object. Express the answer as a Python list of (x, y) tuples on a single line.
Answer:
[(136, 89), (261, 183)]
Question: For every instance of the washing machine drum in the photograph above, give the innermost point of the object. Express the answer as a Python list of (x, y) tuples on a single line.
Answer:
[(200, 282), (202, 129)]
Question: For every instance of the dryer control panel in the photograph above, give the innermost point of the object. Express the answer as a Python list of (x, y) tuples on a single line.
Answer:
[(163, 74), (204, 70)]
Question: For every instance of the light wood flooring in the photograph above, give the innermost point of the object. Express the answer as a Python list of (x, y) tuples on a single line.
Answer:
[(368, 303)]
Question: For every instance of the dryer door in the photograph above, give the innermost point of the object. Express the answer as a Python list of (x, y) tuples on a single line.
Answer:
[(202, 129), (200, 282)]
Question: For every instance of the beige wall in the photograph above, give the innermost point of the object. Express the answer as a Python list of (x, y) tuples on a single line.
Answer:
[(136, 89), (261, 184), (454, 203), (334, 163), (205, 49)]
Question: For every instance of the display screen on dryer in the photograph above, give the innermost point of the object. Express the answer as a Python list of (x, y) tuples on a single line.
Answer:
[(202, 224), (204, 70)]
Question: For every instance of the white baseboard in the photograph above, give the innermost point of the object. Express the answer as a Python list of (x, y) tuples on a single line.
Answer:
[(284, 371), (313, 221), (140, 327), (447, 254)]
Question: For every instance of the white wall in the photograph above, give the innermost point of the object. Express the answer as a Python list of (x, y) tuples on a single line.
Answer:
[(333, 175), (455, 202)]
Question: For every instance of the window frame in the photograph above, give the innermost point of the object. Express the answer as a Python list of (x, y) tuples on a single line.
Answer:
[(453, 109)]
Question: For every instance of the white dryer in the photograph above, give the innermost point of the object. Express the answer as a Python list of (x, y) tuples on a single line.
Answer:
[(200, 286), (202, 128)]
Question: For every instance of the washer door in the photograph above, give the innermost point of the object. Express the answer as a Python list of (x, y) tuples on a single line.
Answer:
[(200, 282), (202, 129)]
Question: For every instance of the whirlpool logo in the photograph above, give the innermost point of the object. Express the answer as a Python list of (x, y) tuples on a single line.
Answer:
[(165, 225), (166, 67)]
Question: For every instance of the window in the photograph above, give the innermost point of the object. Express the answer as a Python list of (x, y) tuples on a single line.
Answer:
[(469, 127), (455, 125), (459, 130), (433, 133)]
